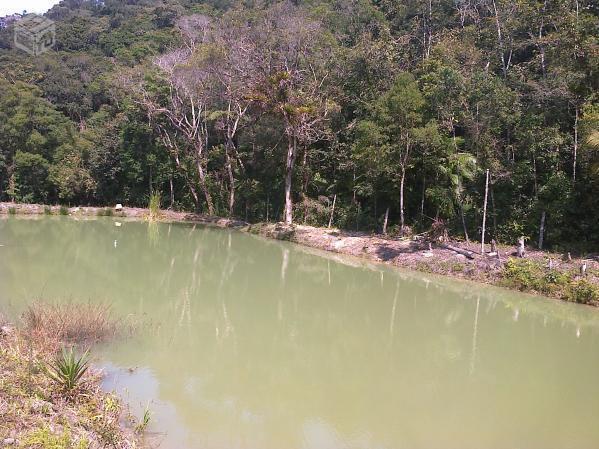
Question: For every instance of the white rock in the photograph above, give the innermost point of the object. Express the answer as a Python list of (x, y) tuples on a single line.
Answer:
[(119, 206), (339, 244), (118, 224), (6, 330)]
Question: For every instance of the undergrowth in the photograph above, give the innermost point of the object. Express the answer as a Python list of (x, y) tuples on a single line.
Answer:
[(529, 275)]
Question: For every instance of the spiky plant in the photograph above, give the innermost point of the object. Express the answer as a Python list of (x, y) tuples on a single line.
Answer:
[(68, 369)]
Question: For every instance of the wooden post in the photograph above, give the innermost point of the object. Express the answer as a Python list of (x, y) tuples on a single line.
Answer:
[(542, 230), (332, 211), (385, 222), (482, 240), (583, 269)]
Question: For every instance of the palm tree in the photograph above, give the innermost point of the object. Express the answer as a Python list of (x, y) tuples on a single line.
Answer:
[(459, 167)]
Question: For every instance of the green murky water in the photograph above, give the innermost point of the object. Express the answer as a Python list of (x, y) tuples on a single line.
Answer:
[(265, 345)]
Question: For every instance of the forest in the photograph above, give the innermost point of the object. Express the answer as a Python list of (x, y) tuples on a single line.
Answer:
[(391, 112)]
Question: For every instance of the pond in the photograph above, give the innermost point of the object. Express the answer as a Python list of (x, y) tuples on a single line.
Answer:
[(257, 344)]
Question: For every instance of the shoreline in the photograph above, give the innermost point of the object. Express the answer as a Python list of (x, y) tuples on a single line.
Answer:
[(455, 259)]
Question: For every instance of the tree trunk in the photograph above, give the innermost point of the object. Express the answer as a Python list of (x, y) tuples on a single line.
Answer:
[(267, 206), (306, 177), (540, 44), (332, 211), (463, 252), (204, 188), (504, 64), (194, 194), (229, 166), (494, 210), (401, 199), (464, 221), (422, 199), (386, 221), (575, 146), (291, 155), (482, 240), (170, 181), (542, 230)]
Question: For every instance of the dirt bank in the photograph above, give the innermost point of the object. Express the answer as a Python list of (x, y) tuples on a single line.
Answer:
[(561, 278), (457, 259), (125, 212)]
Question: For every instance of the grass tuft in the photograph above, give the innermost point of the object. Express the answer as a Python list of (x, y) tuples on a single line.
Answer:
[(64, 210), (70, 323), (45, 438), (154, 205), (145, 420)]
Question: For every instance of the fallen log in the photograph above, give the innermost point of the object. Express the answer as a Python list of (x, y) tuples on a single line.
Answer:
[(463, 252)]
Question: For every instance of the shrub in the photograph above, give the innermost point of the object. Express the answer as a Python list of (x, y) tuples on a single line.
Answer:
[(74, 323), (527, 275), (582, 292), (47, 210), (67, 370), (106, 212), (521, 274), (12, 210), (64, 210)]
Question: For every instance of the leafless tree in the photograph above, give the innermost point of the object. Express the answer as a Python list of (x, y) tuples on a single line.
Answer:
[(232, 64), (179, 113)]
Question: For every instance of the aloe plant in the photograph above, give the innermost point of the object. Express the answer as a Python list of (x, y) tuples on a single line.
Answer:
[(68, 369)]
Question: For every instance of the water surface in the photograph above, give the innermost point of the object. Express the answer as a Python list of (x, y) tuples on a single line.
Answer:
[(255, 344)]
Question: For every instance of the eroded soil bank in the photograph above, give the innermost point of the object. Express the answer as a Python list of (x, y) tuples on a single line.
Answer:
[(550, 274)]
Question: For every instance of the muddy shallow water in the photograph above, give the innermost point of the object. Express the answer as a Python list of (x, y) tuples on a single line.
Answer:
[(258, 344)]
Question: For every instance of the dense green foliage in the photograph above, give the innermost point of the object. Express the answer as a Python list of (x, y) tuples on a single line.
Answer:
[(529, 275), (227, 107)]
